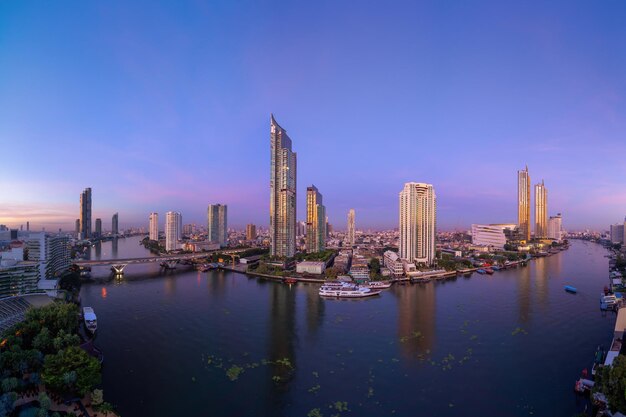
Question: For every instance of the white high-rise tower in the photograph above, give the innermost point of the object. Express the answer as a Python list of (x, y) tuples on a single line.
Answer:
[(351, 227), (418, 222), (173, 233), (154, 226)]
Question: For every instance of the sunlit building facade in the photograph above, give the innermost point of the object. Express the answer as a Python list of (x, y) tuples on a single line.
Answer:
[(351, 227), (523, 203), (173, 230), (555, 227), (315, 221), (492, 235), (282, 193), (541, 211), (154, 226), (418, 222)]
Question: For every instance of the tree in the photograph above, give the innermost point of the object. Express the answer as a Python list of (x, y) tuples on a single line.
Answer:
[(611, 381), (71, 371), (331, 273)]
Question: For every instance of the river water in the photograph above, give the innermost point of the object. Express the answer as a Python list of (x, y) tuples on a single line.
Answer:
[(214, 344)]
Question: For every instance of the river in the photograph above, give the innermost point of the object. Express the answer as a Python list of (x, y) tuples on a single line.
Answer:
[(214, 344)]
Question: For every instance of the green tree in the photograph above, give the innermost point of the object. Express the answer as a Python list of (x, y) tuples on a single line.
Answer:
[(331, 273), (611, 381), (71, 371)]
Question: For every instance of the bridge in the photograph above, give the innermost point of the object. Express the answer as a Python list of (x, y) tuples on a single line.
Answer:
[(167, 261)]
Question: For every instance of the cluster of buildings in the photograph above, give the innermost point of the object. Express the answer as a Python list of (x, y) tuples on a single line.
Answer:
[(497, 236), (84, 222)]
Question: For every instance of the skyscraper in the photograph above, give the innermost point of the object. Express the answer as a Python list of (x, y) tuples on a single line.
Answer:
[(98, 228), (250, 232), (541, 211), (217, 224), (114, 224), (418, 222), (315, 221), (154, 226), (523, 203), (282, 193), (85, 214), (351, 227), (77, 227), (173, 230)]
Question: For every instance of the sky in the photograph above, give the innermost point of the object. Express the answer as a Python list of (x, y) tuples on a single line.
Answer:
[(162, 106)]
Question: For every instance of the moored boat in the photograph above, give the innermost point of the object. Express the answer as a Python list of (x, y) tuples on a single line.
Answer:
[(347, 291), (290, 280), (489, 271), (481, 271), (89, 317), (378, 284), (571, 289)]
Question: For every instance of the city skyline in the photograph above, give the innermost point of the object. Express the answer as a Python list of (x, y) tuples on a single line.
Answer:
[(94, 115)]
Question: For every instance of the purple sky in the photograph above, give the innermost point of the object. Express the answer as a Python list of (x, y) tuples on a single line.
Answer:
[(165, 106)]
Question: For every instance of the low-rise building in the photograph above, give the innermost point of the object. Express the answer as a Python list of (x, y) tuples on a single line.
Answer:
[(492, 235), (201, 246), (393, 263), (311, 267)]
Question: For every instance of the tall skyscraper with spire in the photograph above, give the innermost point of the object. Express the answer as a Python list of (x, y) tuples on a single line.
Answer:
[(418, 222), (85, 214), (315, 221), (282, 193), (351, 227), (541, 211), (523, 203)]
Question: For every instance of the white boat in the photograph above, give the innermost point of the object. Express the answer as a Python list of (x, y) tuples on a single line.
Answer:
[(346, 291), (608, 301), (90, 319), (379, 284)]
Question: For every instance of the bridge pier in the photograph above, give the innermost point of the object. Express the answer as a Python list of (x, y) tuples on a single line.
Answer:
[(169, 264), (118, 269)]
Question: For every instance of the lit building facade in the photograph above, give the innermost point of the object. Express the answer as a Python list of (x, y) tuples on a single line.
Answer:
[(217, 226), (315, 221), (154, 226), (282, 232), (541, 211), (173, 232), (85, 214), (351, 228), (250, 232), (555, 227), (523, 203), (418, 222), (492, 235)]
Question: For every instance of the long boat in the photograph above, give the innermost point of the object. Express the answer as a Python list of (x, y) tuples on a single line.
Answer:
[(347, 291), (91, 322), (571, 289)]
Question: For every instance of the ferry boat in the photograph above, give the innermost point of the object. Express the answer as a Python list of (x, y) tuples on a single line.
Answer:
[(347, 291), (90, 319), (379, 284)]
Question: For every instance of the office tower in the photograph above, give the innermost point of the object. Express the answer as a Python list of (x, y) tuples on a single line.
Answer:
[(301, 229), (541, 211), (250, 232), (115, 224), (523, 203), (85, 214), (98, 228), (28, 226), (154, 226), (418, 221), (617, 233), (282, 193), (351, 228), (172, 230), (315, 221), (217, 224), (188, 229), (77, 227), (555, 227)]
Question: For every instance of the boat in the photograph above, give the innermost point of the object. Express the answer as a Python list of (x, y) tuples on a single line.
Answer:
[(571, 289), (347, 291), (489, 271), (290, 280), (90, 319), (379, 284), (608, 302), (496, 268), (481, 271)]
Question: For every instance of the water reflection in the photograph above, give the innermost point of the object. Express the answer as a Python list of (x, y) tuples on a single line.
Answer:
[(416, 313), (114, 248), (523, 293), (314, 310), (98, 249)]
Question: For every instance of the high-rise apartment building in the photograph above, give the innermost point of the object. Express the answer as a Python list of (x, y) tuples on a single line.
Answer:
[(418, 222), (52, 253), (85, 214), (555, 227), (315, 221), (217, 224), (351, 227), (523, 203), (77, 228), (154, 226), (173, 232), (250, 232), (541, 211), (98, 228), (115, 224), (282, 193), (617, 232)]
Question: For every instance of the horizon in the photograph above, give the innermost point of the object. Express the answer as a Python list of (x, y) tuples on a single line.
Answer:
[(455, 96)]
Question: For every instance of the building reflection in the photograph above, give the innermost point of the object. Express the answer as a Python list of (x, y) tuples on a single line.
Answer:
[(98, 248), (523, 293), (314, 310), (282, 339), (114, 248), (416, 317)]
